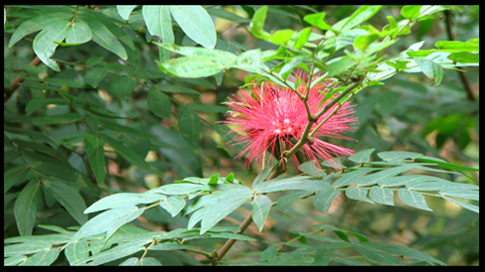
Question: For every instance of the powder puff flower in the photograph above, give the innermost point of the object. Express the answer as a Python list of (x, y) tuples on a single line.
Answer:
[(272, 118)]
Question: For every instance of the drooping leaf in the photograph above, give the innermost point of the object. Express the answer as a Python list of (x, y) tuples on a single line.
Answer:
[(93, 146), (25, 208), (103, 36), (107, 222), (196, 23), (225, 203), (376, 256), (77, 251), (189, 125), (44, 257), (68, 197), (468, 206), (125, 10), (323, 199), (159, 103), (261, 206), (173, 204), (44, 45)]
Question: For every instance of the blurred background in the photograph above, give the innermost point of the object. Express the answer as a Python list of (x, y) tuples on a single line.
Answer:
[(405, 114)]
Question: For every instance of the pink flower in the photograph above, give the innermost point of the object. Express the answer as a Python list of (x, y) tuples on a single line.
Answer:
[(272, 118)]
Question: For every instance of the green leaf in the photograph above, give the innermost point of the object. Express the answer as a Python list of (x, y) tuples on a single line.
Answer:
[(173, 204), (293, 183), (57, 119), (317, 20), (148, 261), (382, 195), (263, 175), (103, 37), (68, 197), (323, 255), (268, 254), (463, 204), (108, 221), (189, 125), (78, 33), (323, 199), (281, 37), (411, 12), (358, 193), (15, 175), (349, 177), (130, 155), (431, 69), (261, 206), (77, 252), (159, 103), (445, 164), (413, 199), (226, 203), (93, 145), (25, 208), (257, 23), (36, 103), (339, 65), (36, 24), (125, 10), (43, 258), (310, 168), (362, 156), (123, 200), (467, 194), (25, 248), (191, 67), (14, 260), (383, 175), (117, 252), (179, 189), (94, 76), (401, 250), (376, 256), (398, 155), (458, 46), (302, 37), (465, 57), (361, 15), (196, 24), (159, 23), (123, 86), (44, 46)]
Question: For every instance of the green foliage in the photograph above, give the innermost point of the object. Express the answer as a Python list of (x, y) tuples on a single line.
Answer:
[(113, 154)]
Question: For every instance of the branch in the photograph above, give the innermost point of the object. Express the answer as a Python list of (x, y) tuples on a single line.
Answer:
[(463, 76), (7, 93)]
